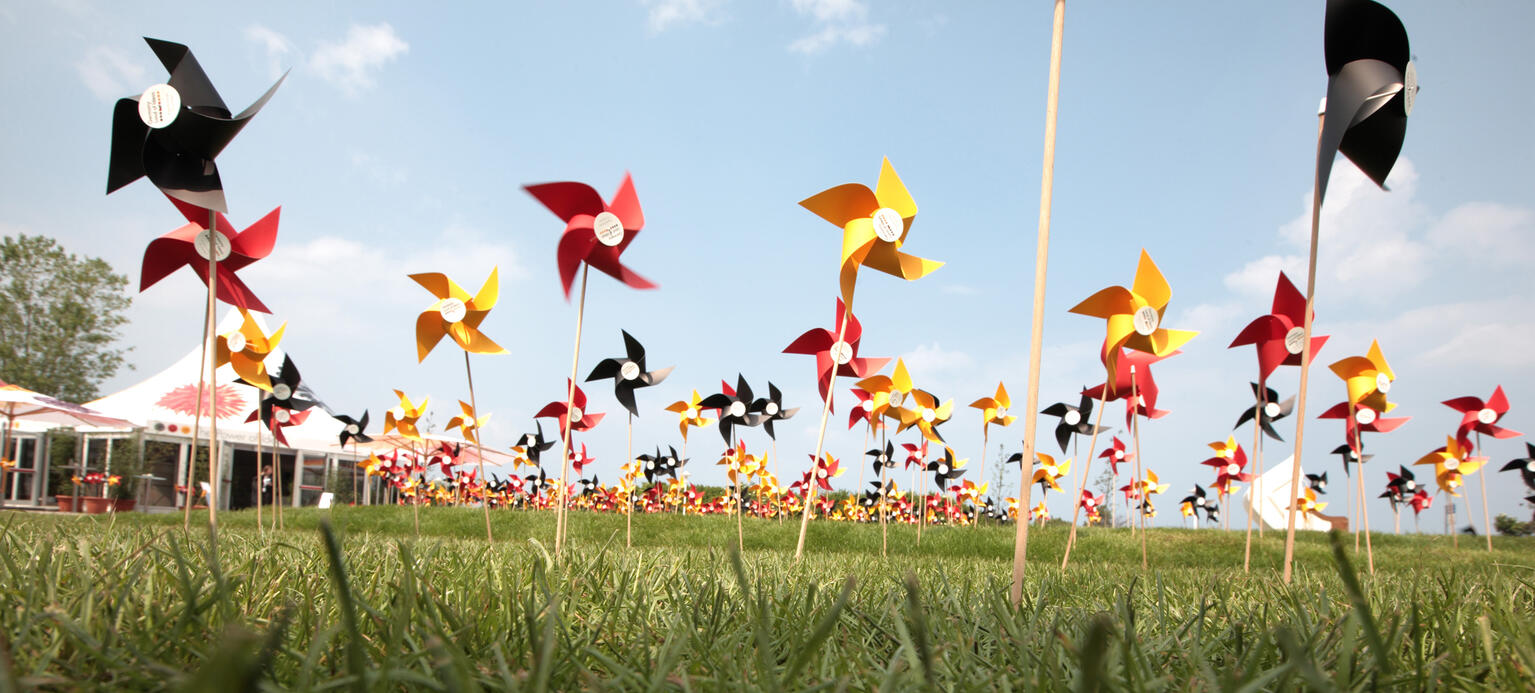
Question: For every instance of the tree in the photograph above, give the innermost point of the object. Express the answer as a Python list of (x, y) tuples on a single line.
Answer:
[(1510, 527), (59, 318)]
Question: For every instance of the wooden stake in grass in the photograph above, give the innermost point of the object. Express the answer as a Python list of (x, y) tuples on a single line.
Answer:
[(1252, 488), (1486, 522), (1037, 321), (1092, 445), (1135, 432)]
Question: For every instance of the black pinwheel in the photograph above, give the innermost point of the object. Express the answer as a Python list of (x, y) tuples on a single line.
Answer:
[(1271, 411), (1403, 482), (533, 445), (1317, 482), (735, 407), (1525, 465), (883, 459), (1349, 457), (588, 486), (1371, 86), (771, 409), (354, 429), (944, 469), (537, 482), (1073, 420), (288, 391), (174, 131), (628, 373)]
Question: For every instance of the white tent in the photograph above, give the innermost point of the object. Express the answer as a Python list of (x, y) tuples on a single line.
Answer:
[(1273, 508)]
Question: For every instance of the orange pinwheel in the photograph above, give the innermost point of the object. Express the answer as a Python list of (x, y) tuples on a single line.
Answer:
[(994, 409), (456, 314), (1307, 502), (689, 414), (468, 423), (1451, 463), (246, 349), (1049, 472), (403, 418), (925, 413), (1135, 315), (874, 227), (887, 391), (1368, 379)]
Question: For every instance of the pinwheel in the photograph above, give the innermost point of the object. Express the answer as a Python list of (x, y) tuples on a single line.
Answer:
[(1524, 465), (946, 469), (874, 227), (1134, 316), (1269, 409), (1073, 420), (883, 459), (734, 406), (1371, 86), (926, 414), (826, 469), (246, 349), (285, 394), (596, 233), (533, 445), (404, 417), (574, 417), (864, 411), (353, 429), (579, 459), (1279, 336), (1420, 501), (1134, 384), (771, 409), (1482, 417), (1197, 501), (888, 392), (456, 314), (1306, 502), (1368, 379), (689, 415), (276, 420), (1403, 481), (1317, 482), (1090, 502), (834, 356), (1350, 457), (174, 131), (993, 411), (1049, 473), (1040, 513), (1117, 454), (468, 423), (1151, 485), (188, 246), (1230, 462), (1451, 463), (628, 373)]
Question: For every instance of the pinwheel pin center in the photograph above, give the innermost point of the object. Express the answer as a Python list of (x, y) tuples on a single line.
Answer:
[(1051, 469), (452, 310), (1487, 416), (841, 353), (737, 409), (281, 415), (282, 391), (608, 229), (1365, 416), (943, 469), (159, 105), (210, 242), (629, 371), (1146, 321), (575, 414), (1295, 341), (1271, 410), (1452, 464), (928, 414), (888, 224), (1383, 383), (771, 409), (352, 429), (1072, 417), (1232, 469), (235, 341)]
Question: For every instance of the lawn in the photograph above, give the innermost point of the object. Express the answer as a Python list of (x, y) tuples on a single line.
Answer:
[(133, 602)]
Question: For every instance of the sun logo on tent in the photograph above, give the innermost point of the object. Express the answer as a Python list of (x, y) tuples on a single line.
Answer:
[(183, 400)]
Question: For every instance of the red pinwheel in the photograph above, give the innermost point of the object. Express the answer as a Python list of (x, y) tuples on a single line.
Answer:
[(831, 355), (825, 469), (277, 419), (1280, 336), (189, 246), (579, 459), (1481, 417), (595, 232), (1117, 454), (1365, 419), (576, 418), (1145, 388), (864, 412), (1230, 463)]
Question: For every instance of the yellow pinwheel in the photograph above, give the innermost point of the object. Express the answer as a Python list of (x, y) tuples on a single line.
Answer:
[(887, 391), (689, 414), (1451, 463), (1306, 502), (1040, 512), (373, 466), (874, 227), (403, 418), (1135, 315), (1151, 485), (925, 413), (1368, 378), (456, 314), (1049, 473), (994, 409), (246, 349), (467, 423)]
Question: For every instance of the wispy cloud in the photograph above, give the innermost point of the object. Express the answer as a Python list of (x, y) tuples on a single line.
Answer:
[(109, 74), (835, 21), (383, 173), (352, 63), (665, 14), (277, 47)]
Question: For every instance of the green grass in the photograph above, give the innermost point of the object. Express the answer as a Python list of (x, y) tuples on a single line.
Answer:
[(134, 603)]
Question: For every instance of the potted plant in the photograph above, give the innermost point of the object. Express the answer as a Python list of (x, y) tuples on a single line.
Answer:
[(123, 499), (93, 499)]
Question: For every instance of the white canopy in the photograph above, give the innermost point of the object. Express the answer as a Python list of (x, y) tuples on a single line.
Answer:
[(1273, 507)]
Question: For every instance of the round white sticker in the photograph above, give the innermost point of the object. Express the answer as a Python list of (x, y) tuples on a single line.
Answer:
[(235, 341), (1452, 464), (575, 414), (1365, 416), (1382, 382), (1453, 482), (691, 413), (1072, 417), (1295, 340), (281, 415), (1530, 466), (1002, 413), (352, 429), (282, 391), (452, 309), (398, 413), (219, 243), (896, 398), (1119, 454), (943, 469), (1409, 87), (1271, 410), (771, 409), (888, 224), (159, 105), (1199, 501), (1146, 321), (1411, 484), (629, 371), (737, 409), (820, 472), (841, 353), (529, 441), (867, 405), (929, 415), (609, 230), (1232, 469), (1050, 470), (650, 465), (1487, 416)]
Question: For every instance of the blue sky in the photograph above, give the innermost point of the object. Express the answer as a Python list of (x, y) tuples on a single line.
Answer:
[(403, 134)]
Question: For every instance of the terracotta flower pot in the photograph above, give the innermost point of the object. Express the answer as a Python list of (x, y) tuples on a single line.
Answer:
[(95, 506), (66, 503), (124, 505)]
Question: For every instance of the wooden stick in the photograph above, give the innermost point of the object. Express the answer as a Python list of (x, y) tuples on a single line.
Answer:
[(682, 501), (1486, 522), (215, 479), (1252, 488), (1305, 368), (1092, 445), (1135, 428), (985, 442), (884, 501), (1037, 324), (277, 480), (478, 450), (629, 494), (820, 438), (570, 397), (260, 491), (197, 418)]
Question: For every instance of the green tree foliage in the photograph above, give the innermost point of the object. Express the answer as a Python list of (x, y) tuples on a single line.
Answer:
[(1510, 527), (59, 318)]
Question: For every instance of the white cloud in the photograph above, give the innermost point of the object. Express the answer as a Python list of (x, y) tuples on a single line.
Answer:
[(1257, 278), (836, 21), (276, 45), (1490, 232), (665, 14), (109, 74), (352, 63), (960, 290), (930, 360)]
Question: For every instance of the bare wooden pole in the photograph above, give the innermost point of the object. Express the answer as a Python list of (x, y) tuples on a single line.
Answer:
[(629, 493), (1252, 489), (259, 490), (1037, 324), (1092, 445), (478, 450), (215, 478), (1486, 522), (1305, 368), (570, 398), (1135, 430), (820, 438), (197, 419)]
